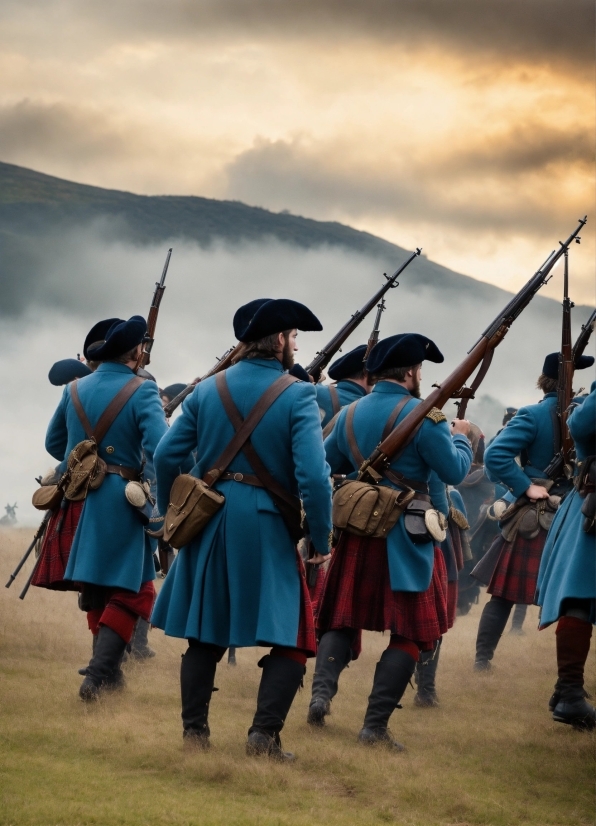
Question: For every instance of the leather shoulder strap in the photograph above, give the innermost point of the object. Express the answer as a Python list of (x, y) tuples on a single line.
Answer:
[(247, 425), (109, 415), (351, 436), (393, 417), (76, 402), (335, 402)]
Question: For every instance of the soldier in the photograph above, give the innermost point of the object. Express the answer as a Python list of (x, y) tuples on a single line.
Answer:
[(387, 584), (240, 582), (66, 370), (110, 554), (350, 383), (567, 577), (170, 392), (530, 434)]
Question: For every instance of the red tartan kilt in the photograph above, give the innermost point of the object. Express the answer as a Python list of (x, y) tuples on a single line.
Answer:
[(306, 640), (358, 594), (452, 593), (55, 548), (316, 591), (516, 573)]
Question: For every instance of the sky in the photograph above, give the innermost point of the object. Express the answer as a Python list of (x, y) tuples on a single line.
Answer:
[(461, 126)]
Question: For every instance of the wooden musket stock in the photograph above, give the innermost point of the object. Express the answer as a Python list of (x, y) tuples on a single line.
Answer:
[(222, 364)]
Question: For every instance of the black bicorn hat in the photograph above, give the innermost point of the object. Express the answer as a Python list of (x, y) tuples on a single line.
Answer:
[(97, 334), (120, 337), (403, 350), (265, 316), (172, 390), (67, 370), (550, 368), (349, 365)]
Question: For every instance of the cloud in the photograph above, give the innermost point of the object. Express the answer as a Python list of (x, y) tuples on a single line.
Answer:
[(529, 31), (479, 183)]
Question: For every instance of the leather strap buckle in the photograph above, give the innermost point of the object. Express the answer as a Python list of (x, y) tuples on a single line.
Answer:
[(238, 477)]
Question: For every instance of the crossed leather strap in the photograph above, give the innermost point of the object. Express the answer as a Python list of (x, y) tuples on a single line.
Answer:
[(107, 419)]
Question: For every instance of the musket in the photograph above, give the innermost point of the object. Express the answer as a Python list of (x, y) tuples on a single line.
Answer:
[(147, 343), (324, 356), (584, 337), (221, 364), (454, 385), (374, 336), (38, 535)]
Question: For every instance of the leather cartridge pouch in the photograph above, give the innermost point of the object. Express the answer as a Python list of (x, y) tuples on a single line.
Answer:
[(47, 497), (193, 502), (368, 510), (423, 523), (526, 518), (86, 470), (586, 485)]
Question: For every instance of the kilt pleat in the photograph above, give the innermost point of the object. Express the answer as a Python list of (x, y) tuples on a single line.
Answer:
[(516, 572), (55, 548), (358, 595), (306, 638)]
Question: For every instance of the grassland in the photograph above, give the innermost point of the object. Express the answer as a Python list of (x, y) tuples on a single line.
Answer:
[(489, 755)]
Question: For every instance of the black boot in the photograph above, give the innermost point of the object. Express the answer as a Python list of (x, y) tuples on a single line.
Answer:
[(426, 672), (280, 681), (519, 615), (572, 707), (139, 645), (197, 675), (104, 669), (83, 671), (568, 703), (492, 624), (333, 655), (392, 675)]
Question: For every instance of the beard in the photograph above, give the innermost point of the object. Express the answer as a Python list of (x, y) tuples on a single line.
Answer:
[(415, 391), (287, 355)]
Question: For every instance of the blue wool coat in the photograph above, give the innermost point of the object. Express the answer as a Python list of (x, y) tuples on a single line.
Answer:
[(531, 429), (568, 565), (110, 546), (433, 448), (238, 582), (348, 391)]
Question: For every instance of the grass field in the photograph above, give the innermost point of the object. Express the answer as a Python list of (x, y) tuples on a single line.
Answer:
[(489, 755)]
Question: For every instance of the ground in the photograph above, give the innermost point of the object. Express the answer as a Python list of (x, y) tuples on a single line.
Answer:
[(489, 755)]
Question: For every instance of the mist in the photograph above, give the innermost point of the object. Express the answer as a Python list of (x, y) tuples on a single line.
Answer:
[(81, 277)]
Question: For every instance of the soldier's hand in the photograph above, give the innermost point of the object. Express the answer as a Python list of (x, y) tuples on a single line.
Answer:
[(461, 426), (535, 492), (318, 558)]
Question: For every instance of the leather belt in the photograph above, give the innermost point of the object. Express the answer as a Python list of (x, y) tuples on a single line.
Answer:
[(246, 478), (399, 479), (129, 473)]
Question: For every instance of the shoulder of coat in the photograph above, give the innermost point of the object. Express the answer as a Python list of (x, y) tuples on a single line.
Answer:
[(436, 415)]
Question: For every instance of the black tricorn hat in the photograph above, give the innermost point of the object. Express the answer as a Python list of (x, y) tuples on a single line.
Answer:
[(349, 365), (551, 365), (97, 334), (402, 350), (67, 370), (265, 316), (172, 390), (120, 337)]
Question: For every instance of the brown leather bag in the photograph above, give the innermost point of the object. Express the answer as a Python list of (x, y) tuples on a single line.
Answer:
[(193, 502)]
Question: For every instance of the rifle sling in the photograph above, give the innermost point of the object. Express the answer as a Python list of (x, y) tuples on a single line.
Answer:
[(478, 379), (241, 439), (109, 415), (392, 475), (335, 402)]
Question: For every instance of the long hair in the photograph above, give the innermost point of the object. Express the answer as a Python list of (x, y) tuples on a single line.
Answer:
[(265, 348)]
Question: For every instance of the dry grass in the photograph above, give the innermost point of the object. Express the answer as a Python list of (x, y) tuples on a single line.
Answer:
[(489, 755)]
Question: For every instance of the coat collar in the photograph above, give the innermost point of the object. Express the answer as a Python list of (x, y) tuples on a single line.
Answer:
[(390, 387), (272, 364), (113, 367), (355, 388)]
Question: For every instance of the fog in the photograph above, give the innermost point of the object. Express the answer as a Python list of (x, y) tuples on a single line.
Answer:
[(82, 278)]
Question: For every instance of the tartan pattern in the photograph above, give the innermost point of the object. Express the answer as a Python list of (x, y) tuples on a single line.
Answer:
[(306, 639), (122, 609), (358, 594), (516, 572), (316, 591), (55, 548)]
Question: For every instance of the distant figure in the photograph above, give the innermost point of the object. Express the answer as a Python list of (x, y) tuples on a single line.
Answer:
[(11, 517)]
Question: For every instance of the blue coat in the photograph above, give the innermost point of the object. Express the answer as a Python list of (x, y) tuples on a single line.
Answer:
[(348, 391), (531, 429), (568, 565), (110, 546), (433, 448), (238, 582)]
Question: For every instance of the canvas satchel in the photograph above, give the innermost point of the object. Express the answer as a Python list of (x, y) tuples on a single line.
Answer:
[(193, 502)]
